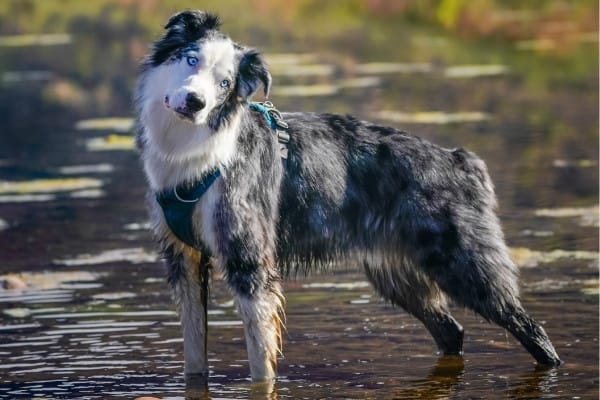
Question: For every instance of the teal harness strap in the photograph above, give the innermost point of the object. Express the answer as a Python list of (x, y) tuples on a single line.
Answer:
[(178, 206), (276, 122)]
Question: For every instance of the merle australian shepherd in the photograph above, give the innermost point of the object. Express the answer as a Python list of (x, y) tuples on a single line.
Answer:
[(418, 218)]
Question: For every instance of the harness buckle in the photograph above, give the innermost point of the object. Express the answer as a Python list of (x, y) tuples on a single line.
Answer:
[(275, 120)]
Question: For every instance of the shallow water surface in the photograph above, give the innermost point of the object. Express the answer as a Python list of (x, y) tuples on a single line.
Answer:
[(85, 311)]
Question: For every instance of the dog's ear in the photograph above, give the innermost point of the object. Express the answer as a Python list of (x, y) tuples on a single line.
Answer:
[(252, 73), (192, 24), (182, 29)]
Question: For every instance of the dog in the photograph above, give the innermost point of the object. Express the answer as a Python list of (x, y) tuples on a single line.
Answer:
[(418, 218)]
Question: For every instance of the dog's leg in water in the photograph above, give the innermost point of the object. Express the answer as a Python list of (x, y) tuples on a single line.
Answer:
[(188, 276), (262, 313), (488, 286), (404, 286)]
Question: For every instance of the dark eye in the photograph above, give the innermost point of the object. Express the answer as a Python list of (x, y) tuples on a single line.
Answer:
[(225, 83), (191, 60)]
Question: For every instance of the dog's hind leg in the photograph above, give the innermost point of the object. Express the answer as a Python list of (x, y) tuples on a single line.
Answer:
[(188, 277), (479, 274), (419, 296), (502, 306), (505, 309)]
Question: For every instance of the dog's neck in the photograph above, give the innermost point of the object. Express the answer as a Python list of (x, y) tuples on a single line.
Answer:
[(177, 151)]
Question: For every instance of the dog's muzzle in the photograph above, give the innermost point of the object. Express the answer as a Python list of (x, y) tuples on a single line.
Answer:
[(192, 105)]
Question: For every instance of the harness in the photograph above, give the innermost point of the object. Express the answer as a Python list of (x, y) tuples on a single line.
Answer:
[(178, 203)]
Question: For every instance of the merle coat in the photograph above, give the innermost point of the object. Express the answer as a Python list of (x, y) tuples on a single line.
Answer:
[(419, 219)]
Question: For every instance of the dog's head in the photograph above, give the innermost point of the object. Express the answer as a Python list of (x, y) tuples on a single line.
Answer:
[(199, 75)]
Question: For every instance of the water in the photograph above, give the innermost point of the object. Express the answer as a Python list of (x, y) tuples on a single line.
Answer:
[(95, 318)]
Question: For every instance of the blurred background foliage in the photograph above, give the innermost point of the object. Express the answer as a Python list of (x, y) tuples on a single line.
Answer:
[(545, 108), (365, 30)]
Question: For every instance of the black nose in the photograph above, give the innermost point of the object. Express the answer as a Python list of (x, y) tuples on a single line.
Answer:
[(194, 102)]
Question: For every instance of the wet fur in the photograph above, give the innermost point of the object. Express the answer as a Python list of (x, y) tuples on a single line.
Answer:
[(418, 218)]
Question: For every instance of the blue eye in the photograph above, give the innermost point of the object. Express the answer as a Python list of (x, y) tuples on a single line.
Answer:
[(191, 60), (225, 83)]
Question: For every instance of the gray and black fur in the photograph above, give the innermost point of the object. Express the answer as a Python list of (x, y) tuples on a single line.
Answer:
[(418, 218)]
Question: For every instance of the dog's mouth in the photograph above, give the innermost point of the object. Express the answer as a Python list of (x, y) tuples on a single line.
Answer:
[(185, 114)]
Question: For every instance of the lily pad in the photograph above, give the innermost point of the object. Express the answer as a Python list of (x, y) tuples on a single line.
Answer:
[(48, 185)]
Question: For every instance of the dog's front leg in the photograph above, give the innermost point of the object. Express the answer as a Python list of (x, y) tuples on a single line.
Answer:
[(262, 314), (188, 276)]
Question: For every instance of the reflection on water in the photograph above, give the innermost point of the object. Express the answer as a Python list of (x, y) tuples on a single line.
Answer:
[(95, 337), (84, 309)]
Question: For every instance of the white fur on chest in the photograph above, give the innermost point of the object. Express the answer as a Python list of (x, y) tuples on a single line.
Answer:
[(198, 152)]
